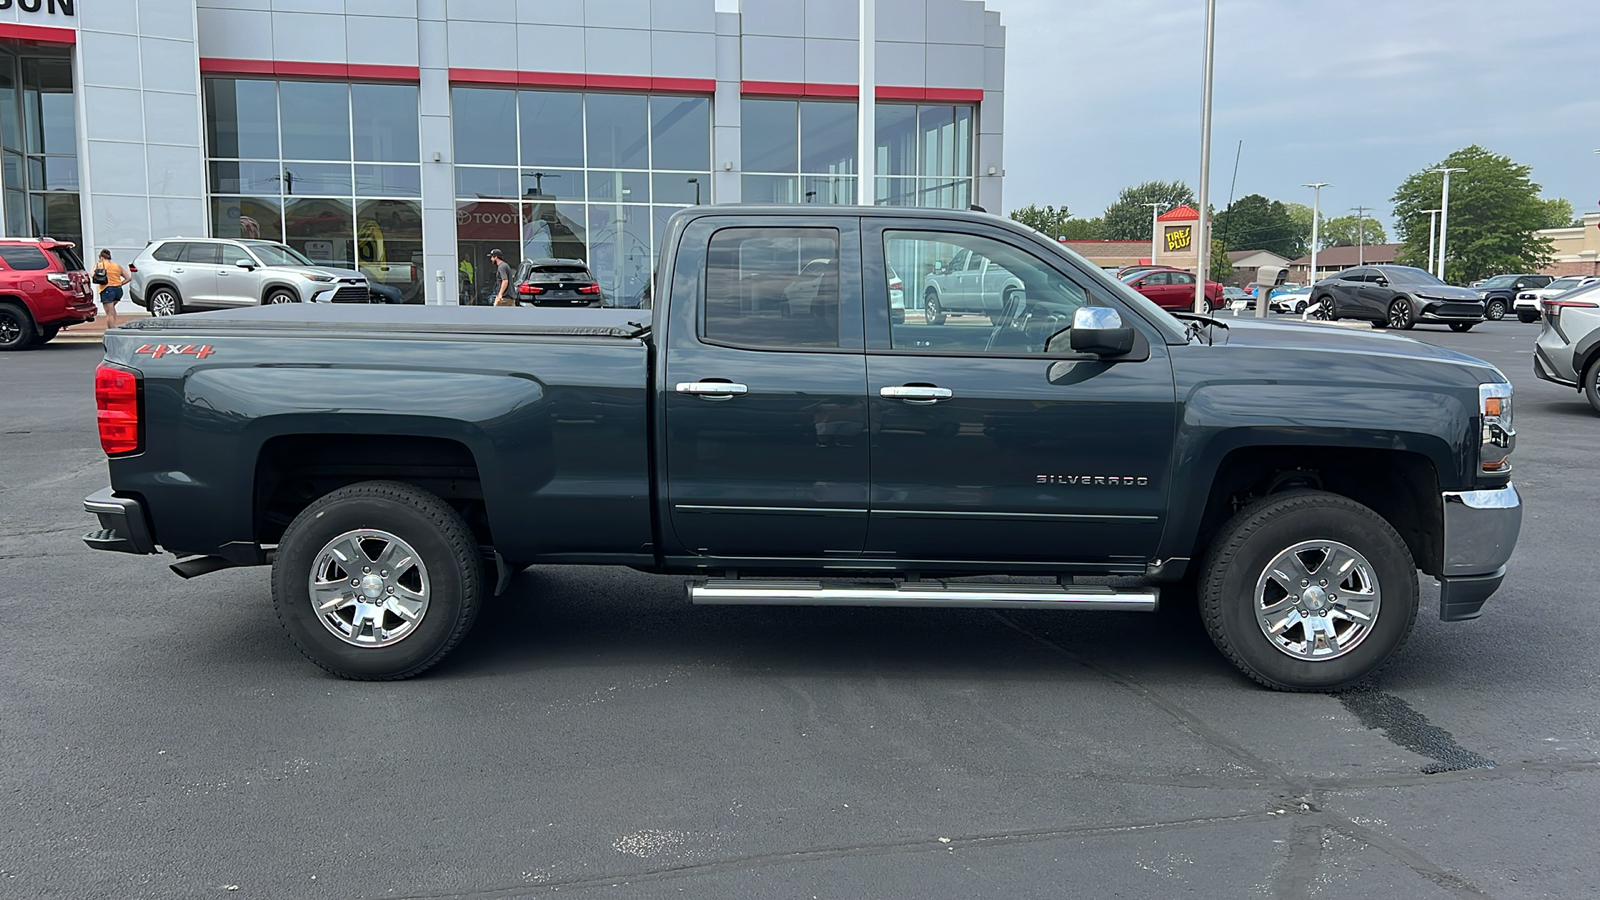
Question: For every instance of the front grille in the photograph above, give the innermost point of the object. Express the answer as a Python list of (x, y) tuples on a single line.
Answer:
[(352, 295)]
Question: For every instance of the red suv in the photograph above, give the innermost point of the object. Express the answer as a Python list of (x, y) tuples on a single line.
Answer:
[(43, 288), (1171, 288)]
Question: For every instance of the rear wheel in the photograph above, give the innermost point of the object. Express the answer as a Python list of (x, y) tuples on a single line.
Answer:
[(1462, 326), (377, 580), (16, 328), (1400, 314), (1591, 385), (1495, 310), (932, 310), (164, 301), (1308, 591)]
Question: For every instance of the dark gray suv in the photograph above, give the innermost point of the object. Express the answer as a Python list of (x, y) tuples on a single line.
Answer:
[(177, 274), (1396, 297)]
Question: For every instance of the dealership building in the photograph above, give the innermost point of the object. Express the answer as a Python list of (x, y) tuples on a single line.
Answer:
[(408, 137)]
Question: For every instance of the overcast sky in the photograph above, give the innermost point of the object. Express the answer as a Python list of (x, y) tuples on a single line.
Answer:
[(1102, 94)]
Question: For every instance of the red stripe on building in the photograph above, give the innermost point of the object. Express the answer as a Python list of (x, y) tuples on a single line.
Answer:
[(38, 34), (631, 83), (851, 91), (291, 69)]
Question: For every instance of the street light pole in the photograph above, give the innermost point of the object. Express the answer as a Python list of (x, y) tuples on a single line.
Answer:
[(1316, 200), (866, 106), (1155, 216), (1433, 222), (1204, 225), (1361, 234), (1444, 216)]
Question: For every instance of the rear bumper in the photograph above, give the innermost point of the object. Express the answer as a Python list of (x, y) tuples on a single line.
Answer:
[(123, 525), (1480, 531), (1546, 369)]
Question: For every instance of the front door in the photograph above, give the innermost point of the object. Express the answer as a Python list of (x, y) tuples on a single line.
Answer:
[(986, 447), (767, 452), (196, 273)]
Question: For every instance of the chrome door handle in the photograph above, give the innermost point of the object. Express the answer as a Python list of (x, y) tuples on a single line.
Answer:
[(177, 268), (712, 390), (916, 393)]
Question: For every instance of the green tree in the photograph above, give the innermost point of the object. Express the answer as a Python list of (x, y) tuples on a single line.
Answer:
[(1255, 223), (1558, 213), (1128, 219), (1221, 265), (1494, 211), (1059, 223), (1340, 231)]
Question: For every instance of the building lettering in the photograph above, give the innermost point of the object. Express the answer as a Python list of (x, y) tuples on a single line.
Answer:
[(53, 7)]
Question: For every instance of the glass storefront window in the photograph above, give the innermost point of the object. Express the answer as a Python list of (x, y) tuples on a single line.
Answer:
[(257, 218), (619, 187), (479, 118), (770, 188), (681, 187), (315, 118), (827, 137), (385, 122), (388, 181), (321, 228), (551, 128), (307, 179), (931, 141), (389, 243), (481, 226), (552, 184), (48, 106), (618, 131), (39, 133), (816, 138), (241, 118), (475, 181), (769, 135), (680, 132), (619, 252)]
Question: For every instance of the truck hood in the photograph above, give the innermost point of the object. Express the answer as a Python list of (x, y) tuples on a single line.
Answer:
[(1334, 339)]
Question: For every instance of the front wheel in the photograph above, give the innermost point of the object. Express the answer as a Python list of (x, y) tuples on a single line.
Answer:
[(378, 580), (1462, 326), (1400, 314), (1324, 310), (1300, 307), (277, 297), (931, 309), (1308, 591), (1495, 311)]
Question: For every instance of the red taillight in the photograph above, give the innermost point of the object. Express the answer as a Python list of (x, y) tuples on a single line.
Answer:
[(1554, 307), (896, 284), (529, 289), (116, 401), (589, 289), (132, 268)]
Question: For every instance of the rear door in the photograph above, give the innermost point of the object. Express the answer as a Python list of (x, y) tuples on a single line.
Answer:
[(985, 447), (765, 420), (196, 273)]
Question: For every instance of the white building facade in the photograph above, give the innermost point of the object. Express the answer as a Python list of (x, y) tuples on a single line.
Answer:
[(409, 137)]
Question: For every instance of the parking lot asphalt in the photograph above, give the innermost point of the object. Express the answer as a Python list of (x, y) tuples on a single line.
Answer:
[(597, 736)]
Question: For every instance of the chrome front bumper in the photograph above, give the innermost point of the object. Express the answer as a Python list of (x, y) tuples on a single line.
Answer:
[(1480, 531)]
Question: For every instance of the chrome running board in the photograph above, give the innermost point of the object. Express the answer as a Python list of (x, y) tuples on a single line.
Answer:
[(958, 595)]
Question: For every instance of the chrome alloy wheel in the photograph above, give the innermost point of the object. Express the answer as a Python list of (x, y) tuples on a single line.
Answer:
[(1317, 600), (369, 588), (164, 303), (10, 328)]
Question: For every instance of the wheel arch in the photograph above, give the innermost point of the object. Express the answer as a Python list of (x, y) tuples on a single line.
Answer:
[(14, 300), (272, 287)]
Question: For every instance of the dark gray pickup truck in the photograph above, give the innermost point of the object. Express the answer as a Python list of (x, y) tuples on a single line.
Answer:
[(771, 430)]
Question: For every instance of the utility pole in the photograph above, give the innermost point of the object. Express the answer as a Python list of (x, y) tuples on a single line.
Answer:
[(1316, 201), (1361, 234), (1155, 216), (1444, 213), (1433, 221), (1204, 225)]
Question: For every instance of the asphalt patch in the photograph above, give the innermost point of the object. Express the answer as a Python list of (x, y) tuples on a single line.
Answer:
[(1410, 729)]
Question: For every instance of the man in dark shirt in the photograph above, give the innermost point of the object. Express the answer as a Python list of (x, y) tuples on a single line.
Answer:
[(502, 275)]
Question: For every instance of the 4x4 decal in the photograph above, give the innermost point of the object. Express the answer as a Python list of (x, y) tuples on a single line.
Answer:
[(156, 351)]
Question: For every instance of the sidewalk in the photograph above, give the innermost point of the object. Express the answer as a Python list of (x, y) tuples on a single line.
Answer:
[(91, 332)]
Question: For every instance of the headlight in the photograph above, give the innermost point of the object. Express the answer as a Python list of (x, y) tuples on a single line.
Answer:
[(1494, 404), (324, 279)]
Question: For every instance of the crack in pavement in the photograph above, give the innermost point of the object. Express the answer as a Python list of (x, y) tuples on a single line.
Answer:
[(1300, 793), (766, 860)]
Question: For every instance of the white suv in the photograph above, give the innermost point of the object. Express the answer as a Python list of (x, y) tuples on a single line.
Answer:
[(1526, 303), (177, 274)]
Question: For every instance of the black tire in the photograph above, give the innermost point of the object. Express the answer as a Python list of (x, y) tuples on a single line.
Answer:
[(1300, 307), (1239, 559), (279, 296), (930, 303), (1591, 385), (16, 328), (46, 335), (164, 301), (1527, 318), (1401, 314), (1462, 326), (441, 540), (1495, 310)]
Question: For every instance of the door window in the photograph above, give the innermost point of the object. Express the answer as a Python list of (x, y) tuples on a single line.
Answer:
[(773, 288), (1155, 279), (1023, 301), (205, 253)]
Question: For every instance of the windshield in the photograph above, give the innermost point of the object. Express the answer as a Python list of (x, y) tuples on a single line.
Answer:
[(1499, 281), (1408, 275), (1564, 284), (279, 255)]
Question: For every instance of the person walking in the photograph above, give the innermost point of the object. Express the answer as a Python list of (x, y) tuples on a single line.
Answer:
[(110, 277), (502, 275)]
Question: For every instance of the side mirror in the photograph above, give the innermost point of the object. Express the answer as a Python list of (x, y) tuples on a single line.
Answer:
[(244, 264), (1382, 281), (1099, 330)]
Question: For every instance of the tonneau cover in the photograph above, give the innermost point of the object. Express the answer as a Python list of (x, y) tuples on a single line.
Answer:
[(345, 318)]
